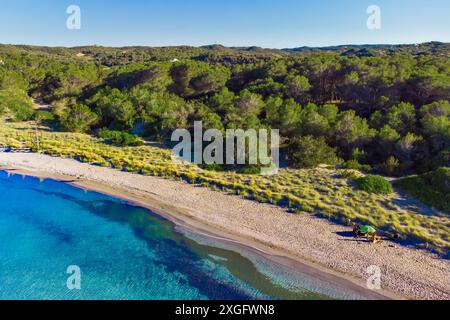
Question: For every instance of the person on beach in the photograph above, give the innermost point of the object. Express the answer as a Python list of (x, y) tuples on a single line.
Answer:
[(366, 231)]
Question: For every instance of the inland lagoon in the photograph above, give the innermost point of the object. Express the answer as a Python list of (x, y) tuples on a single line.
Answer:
[(126, 252)]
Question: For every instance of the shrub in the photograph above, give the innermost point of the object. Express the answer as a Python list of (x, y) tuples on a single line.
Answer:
[(44, 116), (309, 152), (249, 170), (79, 118), (355, 165), (351, 174), (391, 166), (18, 105), (432, 188), (214, 167), (120, 138), (21, 111), (374, 184)]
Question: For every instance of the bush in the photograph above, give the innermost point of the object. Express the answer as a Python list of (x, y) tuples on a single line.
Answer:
[(120, 138), (391, 167), (214, 167), (355, 165), (249, 170), (432, 188), (18, 105), (351, 174), (22, 111), (374, 184), (44, 116), (79, 118), (309, 152)]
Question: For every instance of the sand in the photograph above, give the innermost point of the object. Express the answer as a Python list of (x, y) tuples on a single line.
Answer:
[(301, 241)]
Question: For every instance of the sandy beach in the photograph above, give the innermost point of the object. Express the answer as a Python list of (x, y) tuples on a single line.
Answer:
[(300, 241)]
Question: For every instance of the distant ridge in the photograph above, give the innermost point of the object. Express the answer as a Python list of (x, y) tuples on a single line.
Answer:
[(222, 54)]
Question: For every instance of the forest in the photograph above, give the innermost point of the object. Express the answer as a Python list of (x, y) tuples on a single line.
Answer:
[(378, 109)]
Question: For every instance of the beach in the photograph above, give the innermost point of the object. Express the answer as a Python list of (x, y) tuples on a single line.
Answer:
[(301, 241)]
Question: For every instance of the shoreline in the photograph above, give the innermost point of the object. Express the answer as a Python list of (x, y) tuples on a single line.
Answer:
[(193, 221), (189, 224)]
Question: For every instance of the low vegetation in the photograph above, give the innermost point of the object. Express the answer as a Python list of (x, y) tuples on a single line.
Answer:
[(120, 138), (15, 106), (374, 184), (432, 188)]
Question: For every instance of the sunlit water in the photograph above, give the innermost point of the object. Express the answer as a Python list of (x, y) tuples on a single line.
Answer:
[(125, 252)]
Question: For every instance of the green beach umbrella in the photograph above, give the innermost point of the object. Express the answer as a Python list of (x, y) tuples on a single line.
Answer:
[(368, 229)]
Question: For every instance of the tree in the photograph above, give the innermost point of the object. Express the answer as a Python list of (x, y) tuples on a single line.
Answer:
[(391, 166), (329, 112), (352, 131), (436, 120), (290, 116), (439, 108), (407, 148), (273, 110), (115, 108), (312, 123), (297, 87), (248, 103), (209, 81), (436, 127), (309, 152), (78, 118), (125, 79), (402, 117), (162, 112), (377, 120), (222, 102), (181, 75), (266, 87), (197, 78), (402, 93), (275, 69), (386, 141), (210, 119)]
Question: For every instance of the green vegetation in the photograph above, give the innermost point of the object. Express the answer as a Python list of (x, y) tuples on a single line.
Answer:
[(309, 152), (16, 106), (44, 116), (324, 192), (120, 138), (78, 118), (374, 184), (391, 103), (432, 188), (378, 109)]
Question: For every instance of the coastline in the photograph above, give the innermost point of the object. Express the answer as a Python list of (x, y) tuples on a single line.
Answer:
[(202, 215)]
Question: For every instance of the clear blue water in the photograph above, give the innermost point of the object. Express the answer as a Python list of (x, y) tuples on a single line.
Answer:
[(124, 252)]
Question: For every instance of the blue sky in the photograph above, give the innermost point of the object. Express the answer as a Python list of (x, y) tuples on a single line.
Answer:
[(265, 23)]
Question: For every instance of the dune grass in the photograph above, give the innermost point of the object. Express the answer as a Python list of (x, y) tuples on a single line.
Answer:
[(326, 193)]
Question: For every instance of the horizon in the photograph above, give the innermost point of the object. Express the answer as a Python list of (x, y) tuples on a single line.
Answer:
[(266, 24), (229, 47)]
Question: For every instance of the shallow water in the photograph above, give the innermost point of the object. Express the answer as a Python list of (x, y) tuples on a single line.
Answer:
[(125, 252)]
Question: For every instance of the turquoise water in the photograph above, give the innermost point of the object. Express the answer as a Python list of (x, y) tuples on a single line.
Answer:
[(124, 252)]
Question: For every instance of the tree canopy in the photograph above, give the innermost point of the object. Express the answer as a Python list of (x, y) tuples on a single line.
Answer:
[(390, 104)]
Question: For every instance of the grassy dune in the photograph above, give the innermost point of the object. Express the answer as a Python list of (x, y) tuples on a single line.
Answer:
[(432, 188), (328, 193)]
